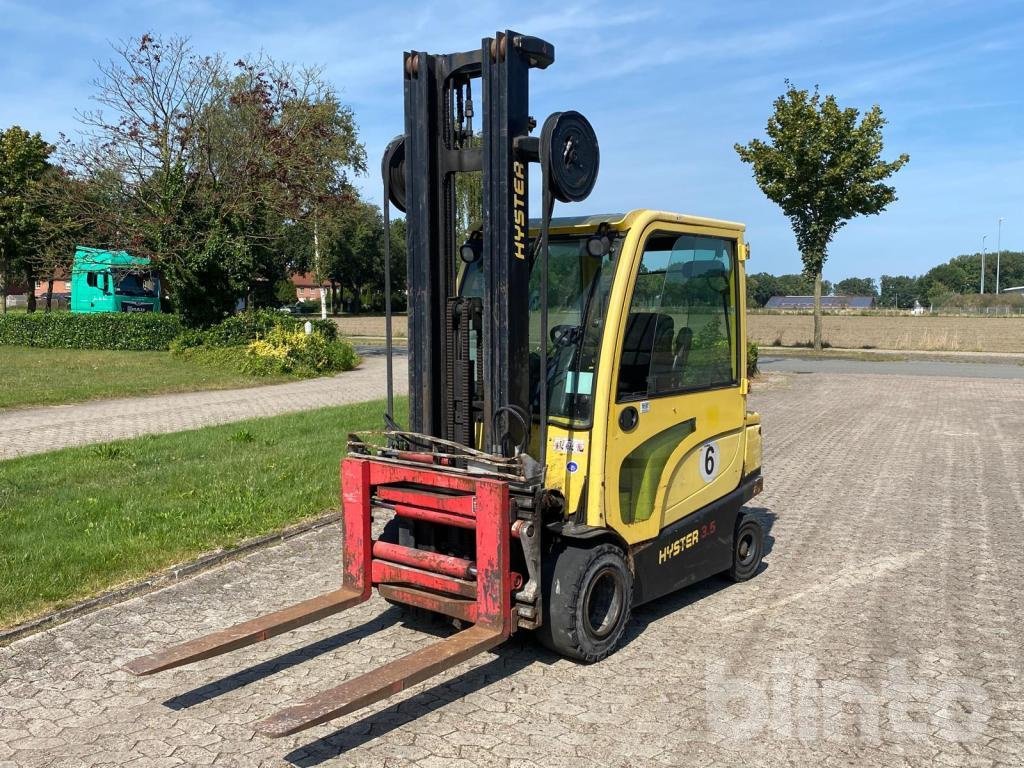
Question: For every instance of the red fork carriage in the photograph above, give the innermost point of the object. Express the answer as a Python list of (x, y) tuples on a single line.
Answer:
[(477, 591)]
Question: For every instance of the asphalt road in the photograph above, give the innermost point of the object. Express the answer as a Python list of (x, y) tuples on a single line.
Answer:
[(794, 364), (883, 631), (934, 368)]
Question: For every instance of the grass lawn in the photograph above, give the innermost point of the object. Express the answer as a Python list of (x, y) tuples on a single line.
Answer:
[(77, 521), (37, 376)]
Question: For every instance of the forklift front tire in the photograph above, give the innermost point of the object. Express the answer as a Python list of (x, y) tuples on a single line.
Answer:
[(588, 598), (747, 549)]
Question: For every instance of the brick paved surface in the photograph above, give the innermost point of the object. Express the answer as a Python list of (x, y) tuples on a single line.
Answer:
[(885, 630), (35, 430)]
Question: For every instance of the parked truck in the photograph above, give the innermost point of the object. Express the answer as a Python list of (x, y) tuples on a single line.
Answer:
[(113, 281)]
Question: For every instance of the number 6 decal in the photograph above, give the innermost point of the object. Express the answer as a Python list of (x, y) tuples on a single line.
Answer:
[(708, 460)]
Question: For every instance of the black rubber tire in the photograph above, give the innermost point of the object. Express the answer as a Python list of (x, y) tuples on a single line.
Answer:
[(747, 549), (588, 599)]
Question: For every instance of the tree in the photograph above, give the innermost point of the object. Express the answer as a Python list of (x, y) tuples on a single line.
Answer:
[(857, 286), (822, 167), (356, 259), (314, 143), (761, 286), (899, 291), (23, 162), (203, 165), (52, 245)]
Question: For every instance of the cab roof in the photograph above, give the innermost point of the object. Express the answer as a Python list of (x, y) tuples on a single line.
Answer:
[(621, 221), (89, 258)]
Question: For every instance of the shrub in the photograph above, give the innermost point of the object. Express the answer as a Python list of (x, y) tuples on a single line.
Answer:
[(752, 354), (296, 352), (238, 330), (268, 343), (107, 330)]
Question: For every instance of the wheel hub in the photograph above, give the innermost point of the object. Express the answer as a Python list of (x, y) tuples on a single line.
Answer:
[(603, 603)]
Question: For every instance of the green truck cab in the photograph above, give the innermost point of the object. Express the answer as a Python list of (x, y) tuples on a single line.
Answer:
[(113, 281)]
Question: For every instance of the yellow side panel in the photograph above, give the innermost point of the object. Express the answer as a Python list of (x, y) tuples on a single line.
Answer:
[(687, 490), (674, 487)]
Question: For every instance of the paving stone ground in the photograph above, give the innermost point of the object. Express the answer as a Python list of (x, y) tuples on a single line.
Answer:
[(884, 631), (35, 430)]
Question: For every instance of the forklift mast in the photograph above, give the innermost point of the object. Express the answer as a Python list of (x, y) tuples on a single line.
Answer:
[(469, 362)]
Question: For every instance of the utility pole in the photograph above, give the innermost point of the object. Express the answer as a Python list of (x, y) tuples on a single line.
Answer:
[(999, 251), (983, 263)]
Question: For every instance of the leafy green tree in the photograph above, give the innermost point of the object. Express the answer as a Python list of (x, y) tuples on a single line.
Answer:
[(856, 286), (24, 162), (399, 298), (60, 228), (799, 285), (899, 291), (761, 286), (284, 292), (822, 167), (938, 294)]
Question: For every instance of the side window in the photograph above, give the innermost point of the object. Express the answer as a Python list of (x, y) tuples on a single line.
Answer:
[(681, 329), (90, 279)]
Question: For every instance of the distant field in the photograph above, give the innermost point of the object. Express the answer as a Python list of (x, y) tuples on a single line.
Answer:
[(932, 333), (371, 325)]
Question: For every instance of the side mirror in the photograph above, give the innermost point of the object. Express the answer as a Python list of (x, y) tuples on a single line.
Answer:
[(473, 248), (105, 282), (598, 246)]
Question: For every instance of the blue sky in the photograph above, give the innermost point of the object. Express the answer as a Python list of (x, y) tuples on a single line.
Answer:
[(670, 87)]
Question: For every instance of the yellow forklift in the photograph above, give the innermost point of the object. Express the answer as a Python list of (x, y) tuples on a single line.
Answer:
[(577, 441)]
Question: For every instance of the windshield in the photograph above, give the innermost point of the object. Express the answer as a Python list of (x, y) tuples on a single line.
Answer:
[(135, 283), (578, 287)]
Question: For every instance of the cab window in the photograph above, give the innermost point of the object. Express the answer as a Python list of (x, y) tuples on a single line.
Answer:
[(681, 328)]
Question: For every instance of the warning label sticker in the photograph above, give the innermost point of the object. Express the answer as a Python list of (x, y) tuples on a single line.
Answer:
[(568, 445)]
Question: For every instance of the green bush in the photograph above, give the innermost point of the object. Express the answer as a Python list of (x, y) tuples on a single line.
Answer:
[(285, 348), (752, 354), (107, 330), (238, 330), (298, 353)]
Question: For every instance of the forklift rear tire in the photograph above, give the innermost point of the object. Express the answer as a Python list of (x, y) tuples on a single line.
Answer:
[(588, 598), (747, 549)]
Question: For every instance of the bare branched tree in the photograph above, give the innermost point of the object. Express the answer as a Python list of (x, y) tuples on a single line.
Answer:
[(201, 166)]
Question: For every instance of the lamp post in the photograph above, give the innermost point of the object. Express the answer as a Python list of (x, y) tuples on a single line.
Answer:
[(983, 262), (999, 251)]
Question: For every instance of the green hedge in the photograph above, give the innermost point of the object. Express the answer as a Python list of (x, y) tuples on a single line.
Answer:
[(752, 355), (107, 330)]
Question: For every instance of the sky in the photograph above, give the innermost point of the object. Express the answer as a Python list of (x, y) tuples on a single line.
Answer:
[(669, 88)]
